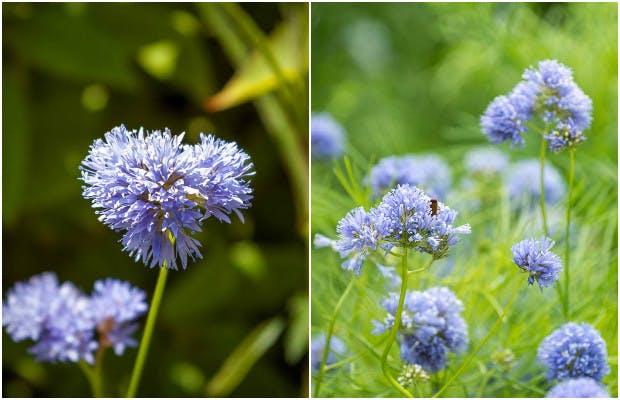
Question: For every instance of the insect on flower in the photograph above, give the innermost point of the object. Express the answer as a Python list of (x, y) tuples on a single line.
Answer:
[(434, 206)]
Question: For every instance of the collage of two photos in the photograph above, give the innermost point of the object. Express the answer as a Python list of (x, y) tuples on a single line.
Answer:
[(310, 200)]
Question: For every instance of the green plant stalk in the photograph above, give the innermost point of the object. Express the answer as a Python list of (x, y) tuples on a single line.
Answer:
[(571, 176), (543, 148), (482, 343), (93, 375), (328, 338), (394, 331), (148, 332)]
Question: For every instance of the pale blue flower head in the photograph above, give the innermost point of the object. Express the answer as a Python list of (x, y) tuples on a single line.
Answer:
[(565, 135), (504, 119), (428, 172), (523, 183), (485, 161), (337, 350), (578, 388), (431, 325), (574, 351), (116, 306), (536, 259), (159, 191), (357, 235), (326, 137)]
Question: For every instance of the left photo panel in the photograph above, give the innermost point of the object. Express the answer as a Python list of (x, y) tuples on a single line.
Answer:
[(155, 200)]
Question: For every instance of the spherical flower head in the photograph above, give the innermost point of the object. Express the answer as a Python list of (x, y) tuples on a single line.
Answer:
[(337, 349), (565, 135), (326, 137), (578, 388), (116, 305), (410, 374), (406, 217), (523, 183), (357, 236), (159, 191), (431, 325), (57, 317), (485, 161), (429, 172), (504, 119), (574, 351), (535, 258)]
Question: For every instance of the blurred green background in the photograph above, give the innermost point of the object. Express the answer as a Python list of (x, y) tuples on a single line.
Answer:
[(73, 71), (415, 78)]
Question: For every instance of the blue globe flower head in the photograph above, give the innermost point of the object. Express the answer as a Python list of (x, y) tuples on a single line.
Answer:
[(408, 217), (326, 137), (485, 161), (504, 119), (57, 317), (574, 351), (337, 350), (578, 388), (357, 236), (535, 258), (565, 135), (431, 325), (116, 306), (428, 172), (158, 191), (523, 183)]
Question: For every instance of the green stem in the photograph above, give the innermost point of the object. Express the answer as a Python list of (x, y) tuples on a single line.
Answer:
[(394, 331), (328, 337), (543, 148), (93, 375), (483, 385), (567, 244), (481, 344), (148, 333)]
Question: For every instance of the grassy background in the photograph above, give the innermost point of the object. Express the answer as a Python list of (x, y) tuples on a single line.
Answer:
[(410, 78), (73, 71)]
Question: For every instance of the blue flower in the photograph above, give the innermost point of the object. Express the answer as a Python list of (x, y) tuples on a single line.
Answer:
[(326, 137), (565, 135), (428, 172), (57, 317), (357, 236), (504, 119), (337, 349), (578, 388), (159, 191), (523, 183), (535, 258), (431, 325), (485, 161), (116, 305), (574, 351)]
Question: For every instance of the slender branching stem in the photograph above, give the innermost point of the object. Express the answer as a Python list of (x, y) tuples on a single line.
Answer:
[(482, 343), (93, 375), (328, 337), (571, 175), (148, 333)]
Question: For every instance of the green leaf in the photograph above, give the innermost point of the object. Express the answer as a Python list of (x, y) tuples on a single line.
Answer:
[(296, 336), (256, 77), (237, 365)]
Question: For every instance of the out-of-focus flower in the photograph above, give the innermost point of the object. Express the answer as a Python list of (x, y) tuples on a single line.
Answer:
[(535, 258), (337, 349), (159, 191), (504, 360), (485, 161), (523, 183), (326, 137), (431, 325), (574, 351), (410, 374), (428, 172), (504, 121), (578, 388), (116, 306)]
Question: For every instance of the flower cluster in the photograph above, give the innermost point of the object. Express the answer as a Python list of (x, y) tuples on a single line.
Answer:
[(428, 172), (68, 325), (485, 161), (410, 374), (405, 217), (159, 191), (535, 258), (326, 137), (578, 388), (549, 92), (574, 351), (431, 325), (523, 183), (337, 349)]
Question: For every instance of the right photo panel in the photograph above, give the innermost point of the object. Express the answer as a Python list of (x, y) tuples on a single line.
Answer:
[(464, 192)]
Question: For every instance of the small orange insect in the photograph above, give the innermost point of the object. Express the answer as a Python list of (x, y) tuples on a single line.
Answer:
[(434, 206)]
